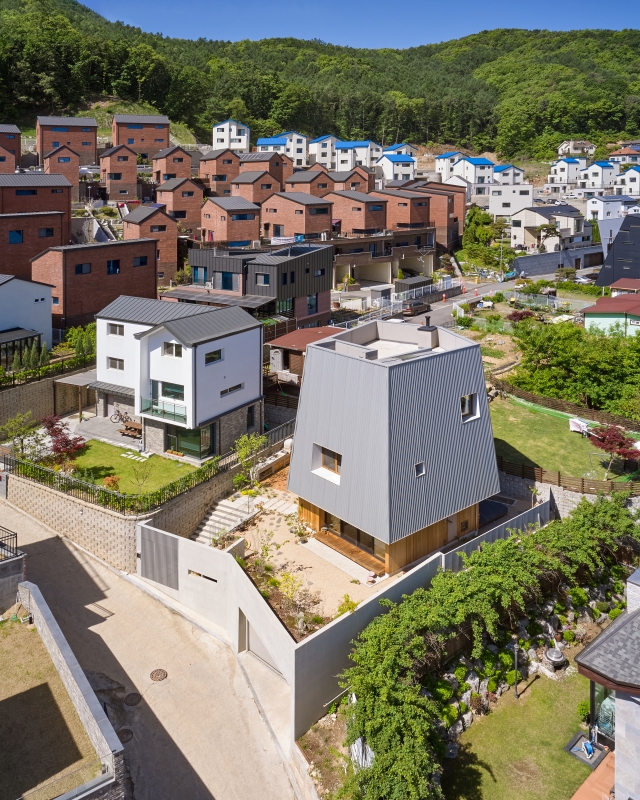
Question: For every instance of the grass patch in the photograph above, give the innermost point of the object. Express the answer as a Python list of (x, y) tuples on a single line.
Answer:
[(492, 352), (516, 751), (104, 110), (524, 435), (104, 460)]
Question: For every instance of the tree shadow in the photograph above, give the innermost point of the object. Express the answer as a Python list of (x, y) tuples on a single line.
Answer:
[(94, 474), (462, 777)]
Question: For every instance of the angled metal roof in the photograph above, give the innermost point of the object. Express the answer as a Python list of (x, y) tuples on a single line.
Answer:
[(72, 122), (450, 154), (142, 213), (91, 245), (272, 140), (397, 158), (215, 323), (113, 388), (6, 278), (168, 150), (503, 167), (404, 193), (259, 156), (213, 154), (115, 149), (61, 147), (251, 176), (353, 145), (392, 147), (146, 311), (175, 183), (141, 119), (341, 177), (322, 138), (9, 129), (361, 197), (615, 653), (234, 203), (230, 120), (32, 179), (305, 176), (477, 162), (304, 199)]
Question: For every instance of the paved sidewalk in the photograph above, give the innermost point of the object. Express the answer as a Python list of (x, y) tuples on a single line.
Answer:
[(198, 734)]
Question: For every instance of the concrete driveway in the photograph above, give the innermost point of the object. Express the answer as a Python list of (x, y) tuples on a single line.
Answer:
[(198, 734)]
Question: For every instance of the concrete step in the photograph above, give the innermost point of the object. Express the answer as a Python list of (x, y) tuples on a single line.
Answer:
[(225, 515)]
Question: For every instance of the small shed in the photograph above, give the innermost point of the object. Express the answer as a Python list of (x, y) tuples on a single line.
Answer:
[(407, 284), (286, 358)]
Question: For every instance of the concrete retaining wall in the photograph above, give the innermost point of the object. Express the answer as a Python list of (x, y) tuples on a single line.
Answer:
[(546, 263), (99, 729), (12, 573)]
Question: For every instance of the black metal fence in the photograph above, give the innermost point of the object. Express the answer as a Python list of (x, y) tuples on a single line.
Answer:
[(61, 367), (8, 544), (134, 503)]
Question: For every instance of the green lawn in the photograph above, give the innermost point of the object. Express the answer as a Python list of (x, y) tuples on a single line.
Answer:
[(515, 753), (105, 459), (525, 435)]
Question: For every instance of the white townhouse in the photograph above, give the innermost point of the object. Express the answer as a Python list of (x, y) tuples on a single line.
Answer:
[(25, 314), (357, 154), (564, 175), (191, 373), (402, 149), (445, 162), (626, 155), (507, 174), (478, 171), (233, 135), (396, 167), (508, 199), (291, 143), (323, 151), (628, 182), (597, 178), (611, 206)]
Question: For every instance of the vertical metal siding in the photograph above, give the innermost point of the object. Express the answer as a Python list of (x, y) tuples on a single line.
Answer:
[(159, 557)]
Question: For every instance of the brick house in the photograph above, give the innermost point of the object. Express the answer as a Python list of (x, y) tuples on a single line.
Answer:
[(316, 182), (119, 173), (182, 199), (231, 220), (173, 162), (405, 209), (87, 277), (65, 161), (151, 222), (255, 187), (7, 161), (145, 134), (26, 192), (25, 234), (11, 140), (442, 211), (358, 179), (79, 133), (296, 214), (357, 213), (277, 164), (219, 166)]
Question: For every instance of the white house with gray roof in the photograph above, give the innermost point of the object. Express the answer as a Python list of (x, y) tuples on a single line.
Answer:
[(233, 135), (192, 374), (388, 413), (323, 151)]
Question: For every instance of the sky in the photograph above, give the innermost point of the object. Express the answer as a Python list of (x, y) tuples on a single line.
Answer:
[(350, 22)]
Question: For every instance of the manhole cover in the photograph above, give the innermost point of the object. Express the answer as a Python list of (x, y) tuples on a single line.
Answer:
[(125, 735), (132, 699), (158, 674)]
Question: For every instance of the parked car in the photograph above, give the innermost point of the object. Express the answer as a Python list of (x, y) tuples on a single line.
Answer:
[(411, 308)]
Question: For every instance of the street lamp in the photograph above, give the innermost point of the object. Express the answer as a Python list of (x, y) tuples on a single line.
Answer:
[(515, 683)]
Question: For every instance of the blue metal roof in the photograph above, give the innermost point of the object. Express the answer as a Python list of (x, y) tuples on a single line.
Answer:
[(567, 161), (449, 155), (230, 120), (603, 164), (352, 145), (396, 158), (272, 140), (291, 133), (321, 138), (478, 162), (611, 198), (502, 167), (397, 146)]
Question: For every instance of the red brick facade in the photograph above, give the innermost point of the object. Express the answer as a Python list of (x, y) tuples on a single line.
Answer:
[(11, 140), (7, 160), (119, 173), (175, 164), (279, 165), (65, 161), (78, 133), (442, 212), (285, 215), (218, 224), (219, 168), (357, 212), (23, 236), (80, 291), (318, 185), (262, 186), (359, 180), (406, 210), (45, 193), (164, 228), (144, 135), (182, 198), (459, 202)]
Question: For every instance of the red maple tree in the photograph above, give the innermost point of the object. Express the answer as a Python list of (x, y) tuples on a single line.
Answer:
[(63, 444), (616, 442)]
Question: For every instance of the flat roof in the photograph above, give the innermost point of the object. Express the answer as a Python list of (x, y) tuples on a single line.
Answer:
[(15, 334), (298, 340), (203, 296)]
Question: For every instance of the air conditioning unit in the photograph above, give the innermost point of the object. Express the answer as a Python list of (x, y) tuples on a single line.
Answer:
[(256, 244), (208, 285)]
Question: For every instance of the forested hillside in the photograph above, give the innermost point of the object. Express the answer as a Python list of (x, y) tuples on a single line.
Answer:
[(515, 91)]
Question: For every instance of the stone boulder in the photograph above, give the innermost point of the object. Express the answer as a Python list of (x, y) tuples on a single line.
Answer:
[(456, 729), (473, 680), (466, 698), (467, 719)]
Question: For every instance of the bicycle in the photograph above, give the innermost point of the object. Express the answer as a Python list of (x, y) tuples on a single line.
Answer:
[(119, 416)]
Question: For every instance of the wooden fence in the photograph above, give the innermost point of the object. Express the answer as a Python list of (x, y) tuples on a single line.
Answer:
[(568, 408), (581, 485)]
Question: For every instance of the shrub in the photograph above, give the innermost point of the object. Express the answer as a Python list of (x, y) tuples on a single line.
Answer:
[(506, 659), (476, 703), (492, 685), (463, 708), (498, 297), (518, 316), (346, 605), (563, 619), (464, 322), (584, 709), (510, 677), (460, 672), (449, 715), (317, 620), (569, 636), (615, 612), (443, 690), (602, 606), (618, 572), (464, 687), (559, 608), (579, 597), (533, 629), (111, 482)]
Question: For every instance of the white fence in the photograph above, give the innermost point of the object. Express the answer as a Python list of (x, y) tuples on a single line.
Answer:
[(433, 288)]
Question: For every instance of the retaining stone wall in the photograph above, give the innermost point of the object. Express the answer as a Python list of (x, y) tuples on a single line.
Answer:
[(153, 435), (37, 397), (12, 572), (278, 415), (99, 729)]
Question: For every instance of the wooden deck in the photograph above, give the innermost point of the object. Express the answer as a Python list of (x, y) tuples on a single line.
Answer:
[(599, 784), (351, 552)]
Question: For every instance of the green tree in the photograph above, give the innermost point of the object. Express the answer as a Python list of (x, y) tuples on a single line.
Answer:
[(44, 355), (247, 447), (34, 355), (16, 365)]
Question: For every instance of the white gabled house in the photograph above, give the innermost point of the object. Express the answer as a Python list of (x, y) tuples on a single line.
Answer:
[(478, 171), (628, 182), (191, 373), (402, 149), (597, 178), (571, 228), (290, 143), (626, 155), (323, 151), (233, 135), (611, 206), (357, 154), (445, 162), (507, 174), (397, 167), (506, 200), (564, 175)]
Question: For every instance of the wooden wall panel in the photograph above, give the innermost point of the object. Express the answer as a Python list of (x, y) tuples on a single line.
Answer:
[(419, 544), (311, 515), (470, 516)]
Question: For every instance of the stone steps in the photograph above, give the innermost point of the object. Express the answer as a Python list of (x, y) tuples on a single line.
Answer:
[(224, 516)]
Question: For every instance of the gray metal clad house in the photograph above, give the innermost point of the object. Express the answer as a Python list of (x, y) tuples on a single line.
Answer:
[(393, 447)]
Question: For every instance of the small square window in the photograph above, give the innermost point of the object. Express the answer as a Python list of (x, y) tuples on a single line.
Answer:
[(15, 237), (212, 357), (112, 329), (55, 301), (83, 269), (140, 261), (468, 404), (115, 363), (113, 266), (331, 461), (420, 469), (45, 233), (172, 349)]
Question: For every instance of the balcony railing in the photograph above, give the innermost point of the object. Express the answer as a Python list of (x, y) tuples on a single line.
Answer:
[(164, 410)]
